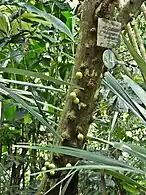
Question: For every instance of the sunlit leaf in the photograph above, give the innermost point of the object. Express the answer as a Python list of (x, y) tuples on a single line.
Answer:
[(55, 21)]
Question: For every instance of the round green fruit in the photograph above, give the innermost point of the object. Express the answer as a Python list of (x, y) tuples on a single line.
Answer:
[(79, 75), (26, 174), (73, 95), (51, 166), (47, 164), (76, 100), (80, 136), (43, 169), (52, 172), (68, 165)]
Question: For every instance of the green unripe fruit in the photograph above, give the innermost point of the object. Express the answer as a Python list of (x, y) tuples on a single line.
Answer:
[(47, 164), (76, 100), (73, 95), (26, 174), (51, 166), (79, 75), (80, 136), (52, 172), (43, 168), (68, 165), (26, 182)]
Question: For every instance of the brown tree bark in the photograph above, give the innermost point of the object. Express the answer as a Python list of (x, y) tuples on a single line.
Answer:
[(76, 118)]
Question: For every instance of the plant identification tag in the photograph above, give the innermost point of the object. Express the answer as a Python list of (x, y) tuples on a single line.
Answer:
[(108, 33), (109, 59)]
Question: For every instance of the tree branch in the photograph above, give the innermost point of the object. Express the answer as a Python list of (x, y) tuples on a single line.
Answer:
[(128, 10)]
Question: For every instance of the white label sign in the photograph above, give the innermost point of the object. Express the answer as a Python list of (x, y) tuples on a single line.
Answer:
[(108, 33), (109, 58)]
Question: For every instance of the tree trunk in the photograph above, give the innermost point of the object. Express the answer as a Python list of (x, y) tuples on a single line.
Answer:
[(76, 118)]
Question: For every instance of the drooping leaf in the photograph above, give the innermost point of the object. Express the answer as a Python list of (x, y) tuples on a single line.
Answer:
[(98, 158), (138, 59), (55, 21), (29, 109), (35, 75), (113, 84), (136, 88), (132, 149), (30, 84)]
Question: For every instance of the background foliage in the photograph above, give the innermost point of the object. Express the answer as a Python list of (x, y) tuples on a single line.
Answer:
[(38, 41)]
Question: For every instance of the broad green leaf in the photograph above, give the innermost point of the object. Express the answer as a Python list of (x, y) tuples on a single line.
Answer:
[(29, 109), (55, 21), (97, 158), (35, 18), (138, 59), (4, 25), (9, 111), (136, 88), (27, 118)]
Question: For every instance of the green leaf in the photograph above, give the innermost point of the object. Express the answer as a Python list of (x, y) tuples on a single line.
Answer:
[(97, 158), (135, 150), (136, 88), (29, 109), (113, 84), (125, 179), (35, 18), (55, 21), (35, 75), (4, 25), (9, 110), (91, 167), (138, 59), (30, 84), (131, 189)]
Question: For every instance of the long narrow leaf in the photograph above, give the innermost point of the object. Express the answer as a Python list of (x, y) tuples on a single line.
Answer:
[(29, 109), (98, 158), (139, 60), (55, 21), (35, 75), (136, 88), (112, 83), (135, 150), (30, 84)]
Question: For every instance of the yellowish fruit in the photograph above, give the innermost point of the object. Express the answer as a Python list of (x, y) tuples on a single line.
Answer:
[(40, 176), (43, 168), (26, 181), (79, 75), (47, 164), (73, 95), (76, 100), (52, 172), (68, 165), (51, 166), (26, 174), (80, 136)]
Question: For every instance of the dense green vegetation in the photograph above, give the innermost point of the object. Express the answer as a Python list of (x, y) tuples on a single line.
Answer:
[(38, 41)]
